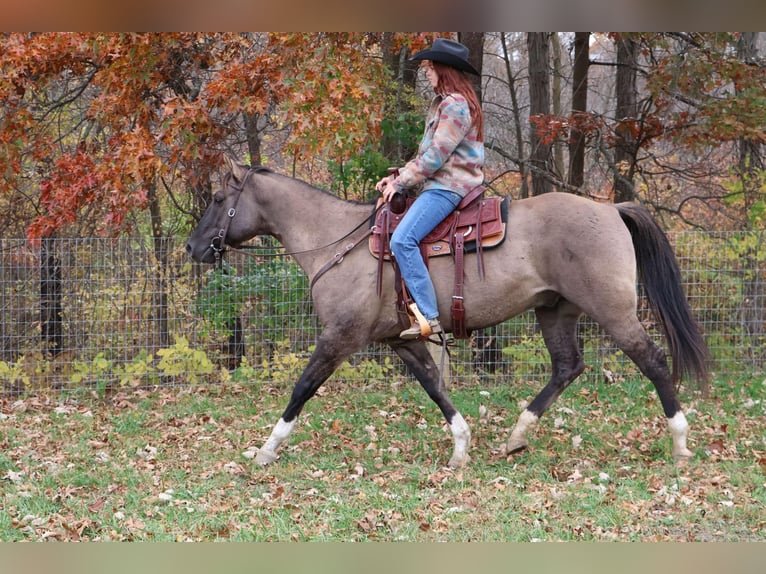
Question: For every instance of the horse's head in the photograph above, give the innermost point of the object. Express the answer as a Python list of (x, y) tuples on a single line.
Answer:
[(226, 220)]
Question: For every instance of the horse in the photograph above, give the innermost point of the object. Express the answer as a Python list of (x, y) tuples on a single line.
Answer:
[(564, 256)]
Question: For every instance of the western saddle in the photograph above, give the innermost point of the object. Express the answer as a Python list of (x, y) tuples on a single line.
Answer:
[(477, 223)]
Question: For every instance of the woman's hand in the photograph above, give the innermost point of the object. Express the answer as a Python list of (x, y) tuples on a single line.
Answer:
[(381, 185), (386, 188)]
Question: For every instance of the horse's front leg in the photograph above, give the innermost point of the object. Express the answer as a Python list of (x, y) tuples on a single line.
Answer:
[(323, 362), (421, 363)]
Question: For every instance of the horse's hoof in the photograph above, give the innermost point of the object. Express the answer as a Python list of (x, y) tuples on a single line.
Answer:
[(266, 457), (514, 446), (458, 462), (682, 456)]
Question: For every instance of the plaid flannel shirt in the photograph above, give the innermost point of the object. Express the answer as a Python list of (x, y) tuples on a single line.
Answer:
[(450, 156)]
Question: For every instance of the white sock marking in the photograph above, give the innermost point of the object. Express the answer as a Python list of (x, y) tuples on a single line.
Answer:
[(527, 420), (279, 434), (679, 429), (462, 435)]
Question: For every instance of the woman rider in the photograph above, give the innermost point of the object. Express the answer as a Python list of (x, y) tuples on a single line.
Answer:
[(449, 164)]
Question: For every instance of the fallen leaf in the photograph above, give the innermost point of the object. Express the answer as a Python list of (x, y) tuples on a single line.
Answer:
[(14, 476), (97, 505), (715, 447), (575, 476)]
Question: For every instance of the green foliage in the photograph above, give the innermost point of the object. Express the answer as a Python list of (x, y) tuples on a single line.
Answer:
[(401, 131), (722, 286), (283, 367), (221, 299), (14, 373), (276, 288), (528, 351), (368, 370), (93, 370), (181, 360), (405, 128), (245, 372), (282, 295), (138, 371), (748, 192), (360, 172)]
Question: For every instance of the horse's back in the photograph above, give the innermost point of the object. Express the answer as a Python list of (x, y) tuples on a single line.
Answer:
[(565, 222), (575, 245)]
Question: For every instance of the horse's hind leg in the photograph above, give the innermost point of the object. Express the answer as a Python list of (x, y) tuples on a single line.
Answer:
[(323, 362), (421, 364), (559, 328), (631, 337)]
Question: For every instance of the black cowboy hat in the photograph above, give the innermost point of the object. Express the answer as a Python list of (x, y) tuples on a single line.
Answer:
[(447, 52)]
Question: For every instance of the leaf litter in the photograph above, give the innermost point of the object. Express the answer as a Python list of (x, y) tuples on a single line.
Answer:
[(178, 466)]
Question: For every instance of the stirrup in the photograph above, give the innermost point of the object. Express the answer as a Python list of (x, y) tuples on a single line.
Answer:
[(422, 327)]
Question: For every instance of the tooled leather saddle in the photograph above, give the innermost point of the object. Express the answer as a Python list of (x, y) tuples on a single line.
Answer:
[(477, 223)]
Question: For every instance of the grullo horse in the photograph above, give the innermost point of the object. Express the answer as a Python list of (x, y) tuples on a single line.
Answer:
[(564, 256)]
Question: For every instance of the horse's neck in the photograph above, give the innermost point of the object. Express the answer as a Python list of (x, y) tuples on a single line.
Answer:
[(310, 222)]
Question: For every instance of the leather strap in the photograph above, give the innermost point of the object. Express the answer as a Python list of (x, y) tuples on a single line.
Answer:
[(479, 247), (470, 197), (338, 258), (383, 248), (458, 310)]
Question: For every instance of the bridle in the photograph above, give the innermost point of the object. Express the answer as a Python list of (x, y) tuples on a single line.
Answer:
[(218, 250), (221, 236)]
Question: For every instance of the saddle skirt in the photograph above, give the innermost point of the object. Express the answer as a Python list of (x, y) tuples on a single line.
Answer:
[(482, 220)]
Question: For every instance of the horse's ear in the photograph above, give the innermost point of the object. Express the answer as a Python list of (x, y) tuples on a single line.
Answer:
[(237, 169)]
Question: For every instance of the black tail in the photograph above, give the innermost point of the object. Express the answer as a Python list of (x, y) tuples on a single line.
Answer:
[(658, 270)]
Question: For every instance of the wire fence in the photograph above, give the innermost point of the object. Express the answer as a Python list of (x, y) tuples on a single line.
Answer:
[(98, 314)]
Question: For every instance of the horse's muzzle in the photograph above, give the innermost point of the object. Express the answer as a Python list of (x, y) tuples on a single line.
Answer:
[(201, 255)]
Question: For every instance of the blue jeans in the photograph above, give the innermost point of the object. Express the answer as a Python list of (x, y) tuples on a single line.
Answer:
[(428, 210)]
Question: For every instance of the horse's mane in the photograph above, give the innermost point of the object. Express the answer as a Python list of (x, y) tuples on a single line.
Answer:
[(263, 169)]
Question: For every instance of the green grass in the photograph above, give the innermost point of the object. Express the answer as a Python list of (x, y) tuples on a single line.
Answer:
[(368, 464)]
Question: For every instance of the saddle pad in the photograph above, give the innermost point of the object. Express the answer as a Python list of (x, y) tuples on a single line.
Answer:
[(492, 210)]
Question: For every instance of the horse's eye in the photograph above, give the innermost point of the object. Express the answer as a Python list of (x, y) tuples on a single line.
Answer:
[(218, 197)]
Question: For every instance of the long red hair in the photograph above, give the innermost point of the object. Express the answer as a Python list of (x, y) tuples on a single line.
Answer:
[(452, 80)]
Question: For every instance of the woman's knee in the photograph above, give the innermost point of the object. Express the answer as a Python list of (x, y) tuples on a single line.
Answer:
[(400, 243)]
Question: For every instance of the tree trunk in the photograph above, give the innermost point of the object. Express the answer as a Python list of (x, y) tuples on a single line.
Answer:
[(558, 147), (579, 107), (750, 163), (539, 104), (516, 111), (751, 174), (235, 344), (626, 114), (51, 308), (253, 135), (474, 41), (159, 294)]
